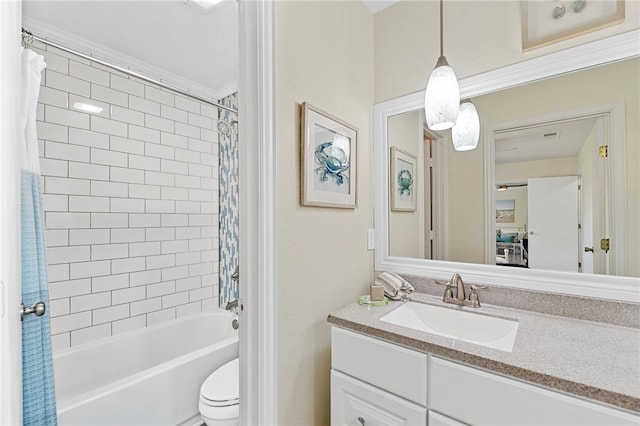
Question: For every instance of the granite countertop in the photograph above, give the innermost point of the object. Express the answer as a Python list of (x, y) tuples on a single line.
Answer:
[(584, 358)]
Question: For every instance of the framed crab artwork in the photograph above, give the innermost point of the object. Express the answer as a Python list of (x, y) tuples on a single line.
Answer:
[(329, 160), (403, 180)]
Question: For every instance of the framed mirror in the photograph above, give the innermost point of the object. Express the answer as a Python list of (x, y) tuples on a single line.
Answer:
[(458, 234)]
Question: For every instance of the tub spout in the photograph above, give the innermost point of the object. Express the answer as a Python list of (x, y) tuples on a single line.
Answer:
[(231, 305)]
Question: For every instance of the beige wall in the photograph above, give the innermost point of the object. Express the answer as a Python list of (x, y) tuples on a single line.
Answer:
[(324, 55), (479, 36), (539, 168), (406, 229)]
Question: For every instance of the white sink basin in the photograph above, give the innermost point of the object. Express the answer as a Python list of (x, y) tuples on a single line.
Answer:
[(496, 333)]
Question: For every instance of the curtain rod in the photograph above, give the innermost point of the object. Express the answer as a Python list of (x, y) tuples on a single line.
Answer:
[(124, 70)]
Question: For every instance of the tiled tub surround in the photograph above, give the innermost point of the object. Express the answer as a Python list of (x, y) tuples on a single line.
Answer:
[(130, 201), (595, 360), (229, 219)]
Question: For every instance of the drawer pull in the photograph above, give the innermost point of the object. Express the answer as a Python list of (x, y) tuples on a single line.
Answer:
[(361, 420)]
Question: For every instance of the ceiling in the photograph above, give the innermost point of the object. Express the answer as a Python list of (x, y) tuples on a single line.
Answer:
[(175, 41), (556, 140), (170, 40)]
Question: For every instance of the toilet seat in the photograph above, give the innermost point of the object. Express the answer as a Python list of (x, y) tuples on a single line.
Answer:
[(222, 387)]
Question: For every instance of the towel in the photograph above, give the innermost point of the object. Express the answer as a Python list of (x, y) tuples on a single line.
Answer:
[(38, 390)]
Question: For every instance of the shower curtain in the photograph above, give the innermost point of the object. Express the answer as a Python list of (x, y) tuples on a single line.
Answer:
[(38, 395)]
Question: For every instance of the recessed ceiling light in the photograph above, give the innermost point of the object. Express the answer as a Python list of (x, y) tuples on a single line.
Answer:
[(87, 107)]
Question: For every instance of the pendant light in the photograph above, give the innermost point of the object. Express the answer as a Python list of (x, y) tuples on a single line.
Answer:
[(442, 97), (466, 132)]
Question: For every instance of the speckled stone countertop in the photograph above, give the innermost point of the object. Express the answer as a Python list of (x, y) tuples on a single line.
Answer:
[(584, 358)]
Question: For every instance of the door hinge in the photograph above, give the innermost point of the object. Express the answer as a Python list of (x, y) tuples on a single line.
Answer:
[(604, 151), (579, 226), (579, 264), (604, 244)]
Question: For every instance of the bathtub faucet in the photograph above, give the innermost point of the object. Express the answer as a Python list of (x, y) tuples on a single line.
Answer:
[(233, 305)]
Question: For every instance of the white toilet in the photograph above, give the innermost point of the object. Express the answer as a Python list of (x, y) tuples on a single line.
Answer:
[(220, 396)]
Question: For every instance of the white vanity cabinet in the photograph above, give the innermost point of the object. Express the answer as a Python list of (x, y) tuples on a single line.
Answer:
[(378, 383), (437, 419), (354, 402), (375, 382)]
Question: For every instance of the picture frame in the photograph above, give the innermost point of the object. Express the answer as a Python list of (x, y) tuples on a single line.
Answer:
[(403, 180), (505, 211), (545, 23), (329, 160)]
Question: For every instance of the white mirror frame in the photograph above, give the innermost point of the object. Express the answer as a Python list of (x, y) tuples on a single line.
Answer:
[(616, 48)]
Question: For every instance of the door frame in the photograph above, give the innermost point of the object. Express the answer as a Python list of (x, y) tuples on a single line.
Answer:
[(258, 387), (614, 113), (257, 153), (10, 271)]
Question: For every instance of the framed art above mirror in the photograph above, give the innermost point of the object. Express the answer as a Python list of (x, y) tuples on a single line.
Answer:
[(468, 243)]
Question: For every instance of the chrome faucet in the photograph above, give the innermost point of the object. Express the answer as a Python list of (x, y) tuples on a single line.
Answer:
[(231, 305), (460, 299)]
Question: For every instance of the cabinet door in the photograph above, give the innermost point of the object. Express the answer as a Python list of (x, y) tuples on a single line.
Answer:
[(437, 419), (356, 403), (482, 398)]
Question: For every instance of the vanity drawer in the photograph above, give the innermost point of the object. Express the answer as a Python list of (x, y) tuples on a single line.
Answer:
[(481, 398), (396, 369)]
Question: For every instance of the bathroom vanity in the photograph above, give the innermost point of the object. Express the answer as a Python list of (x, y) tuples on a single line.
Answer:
[(559, 371)]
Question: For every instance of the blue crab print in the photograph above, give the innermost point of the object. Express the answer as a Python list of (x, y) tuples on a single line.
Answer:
[(405, 182), (333, 164)]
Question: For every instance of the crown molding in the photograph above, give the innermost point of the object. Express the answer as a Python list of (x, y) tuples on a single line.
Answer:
[(104, 53), (228, 89)]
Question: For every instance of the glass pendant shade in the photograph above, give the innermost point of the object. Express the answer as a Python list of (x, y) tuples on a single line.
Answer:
[(442, 97), (466, 132)]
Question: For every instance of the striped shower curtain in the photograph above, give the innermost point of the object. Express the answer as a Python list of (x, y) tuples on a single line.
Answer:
[(38, 395)]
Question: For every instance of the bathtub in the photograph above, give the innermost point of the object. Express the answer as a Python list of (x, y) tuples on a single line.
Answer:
[(150, 376)]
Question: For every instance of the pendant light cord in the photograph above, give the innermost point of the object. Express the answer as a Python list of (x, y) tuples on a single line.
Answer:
[(441, 32)]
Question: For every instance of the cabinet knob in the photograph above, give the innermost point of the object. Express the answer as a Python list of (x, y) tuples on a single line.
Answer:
[(361, 420)]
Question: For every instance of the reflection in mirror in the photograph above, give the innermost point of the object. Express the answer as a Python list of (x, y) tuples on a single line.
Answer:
[(530, 134), (547, 179), (415, 233)]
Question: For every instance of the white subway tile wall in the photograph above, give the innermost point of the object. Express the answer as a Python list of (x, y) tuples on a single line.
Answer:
[(130, 201)]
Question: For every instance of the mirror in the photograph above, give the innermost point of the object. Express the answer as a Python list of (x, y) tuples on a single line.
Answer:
[(455, 219)]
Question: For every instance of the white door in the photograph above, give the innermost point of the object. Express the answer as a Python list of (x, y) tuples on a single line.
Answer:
[(553, 223), (593, 202), (10, 327)]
